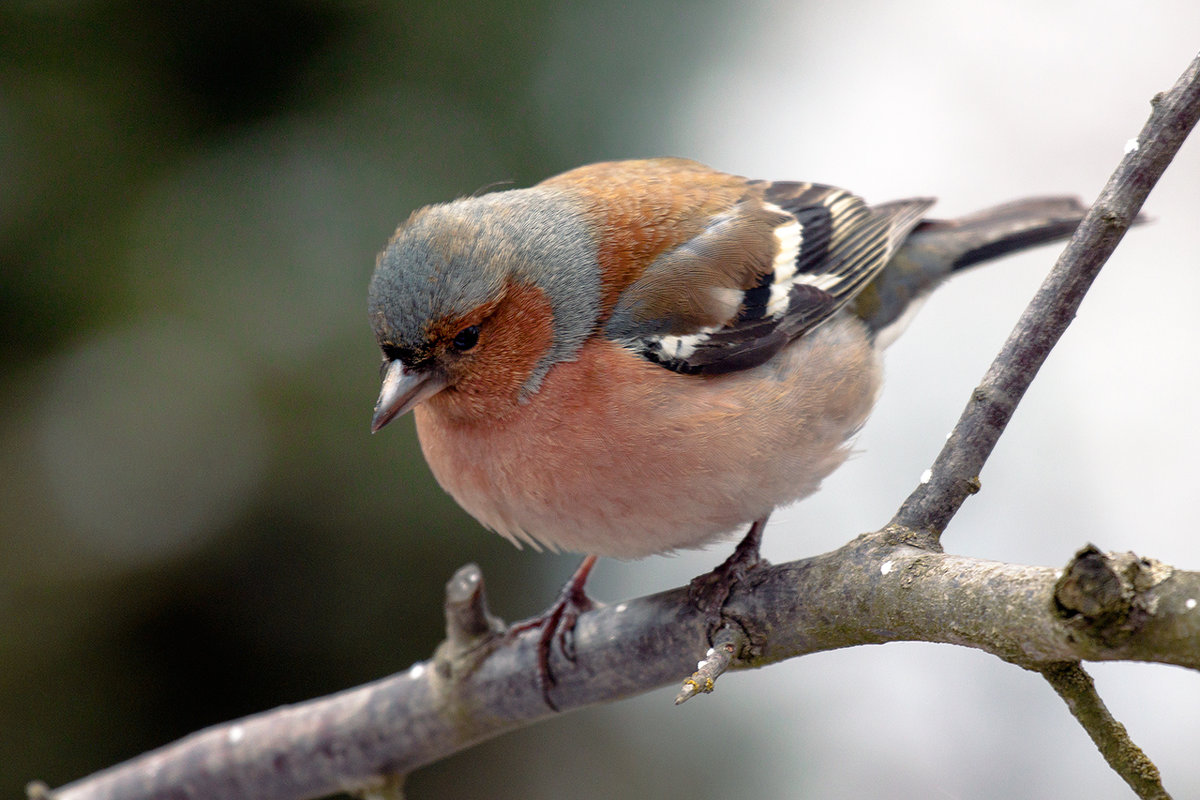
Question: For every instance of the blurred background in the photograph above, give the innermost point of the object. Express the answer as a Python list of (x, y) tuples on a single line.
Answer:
[(195, 524)]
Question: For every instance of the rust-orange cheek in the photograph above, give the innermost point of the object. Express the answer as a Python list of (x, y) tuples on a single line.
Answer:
[(486, 383)]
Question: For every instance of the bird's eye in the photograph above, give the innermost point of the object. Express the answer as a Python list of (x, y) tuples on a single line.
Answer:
[(465, 339)]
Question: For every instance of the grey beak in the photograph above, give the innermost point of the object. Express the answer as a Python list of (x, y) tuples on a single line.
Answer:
[(402, 390)]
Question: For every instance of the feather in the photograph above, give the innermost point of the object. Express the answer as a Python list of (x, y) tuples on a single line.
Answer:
[(780, 262)]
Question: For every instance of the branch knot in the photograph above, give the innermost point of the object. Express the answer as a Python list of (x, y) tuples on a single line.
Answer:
[(1108, 596), (471, 630)]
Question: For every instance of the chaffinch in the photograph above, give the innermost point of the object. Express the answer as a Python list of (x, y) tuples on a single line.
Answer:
[(636, 357)]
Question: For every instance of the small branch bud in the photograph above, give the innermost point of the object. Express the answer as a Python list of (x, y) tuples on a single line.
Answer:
[(727, 644)]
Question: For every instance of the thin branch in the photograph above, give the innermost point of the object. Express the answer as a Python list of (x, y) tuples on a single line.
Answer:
[(728, 645), (955, 473), (1075, 687)]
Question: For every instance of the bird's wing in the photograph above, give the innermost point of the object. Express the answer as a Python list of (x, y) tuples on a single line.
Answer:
[(777, 263)]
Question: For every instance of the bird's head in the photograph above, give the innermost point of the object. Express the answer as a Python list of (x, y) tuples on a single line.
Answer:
[(473, 301)]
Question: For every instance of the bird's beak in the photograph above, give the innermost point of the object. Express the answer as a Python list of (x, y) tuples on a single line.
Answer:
[(402, 390)]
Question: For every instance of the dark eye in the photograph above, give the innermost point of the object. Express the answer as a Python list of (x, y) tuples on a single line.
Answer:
[(465, 339)]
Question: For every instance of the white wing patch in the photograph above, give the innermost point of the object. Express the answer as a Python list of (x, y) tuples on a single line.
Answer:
[(778, 303), (790, 238), (684, 346), (821, 280)]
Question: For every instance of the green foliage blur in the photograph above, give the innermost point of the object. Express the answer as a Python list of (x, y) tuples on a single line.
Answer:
[(194, 522)]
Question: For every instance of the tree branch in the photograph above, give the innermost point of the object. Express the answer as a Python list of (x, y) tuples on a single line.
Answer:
[(955, 473), (878, 588), (891, 585), (1076, 688)]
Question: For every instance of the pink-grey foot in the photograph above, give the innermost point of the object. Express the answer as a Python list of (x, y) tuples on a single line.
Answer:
[(558, 622), (708, 592)]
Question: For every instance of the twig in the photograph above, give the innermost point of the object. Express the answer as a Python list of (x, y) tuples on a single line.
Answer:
[(1075, 686), (728, 642), (471, 629), (955, 473)]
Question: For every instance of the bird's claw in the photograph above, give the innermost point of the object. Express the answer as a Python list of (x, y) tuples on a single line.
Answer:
[(558, 622)]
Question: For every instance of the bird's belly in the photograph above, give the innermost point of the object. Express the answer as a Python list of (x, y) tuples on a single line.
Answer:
[(598, 463)]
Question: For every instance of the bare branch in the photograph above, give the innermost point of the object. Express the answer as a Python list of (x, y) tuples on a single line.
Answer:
[(1075, 686), (728, 645), (878, 588), (1108, 604), (955, 473)]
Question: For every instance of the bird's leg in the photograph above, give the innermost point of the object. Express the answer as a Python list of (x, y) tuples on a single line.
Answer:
[(558, 622), (708, 592)]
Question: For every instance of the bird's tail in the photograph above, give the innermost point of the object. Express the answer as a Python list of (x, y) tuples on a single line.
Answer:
[(936, 248)]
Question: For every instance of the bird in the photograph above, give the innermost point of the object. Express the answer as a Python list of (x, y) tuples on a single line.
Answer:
[(645, 356)]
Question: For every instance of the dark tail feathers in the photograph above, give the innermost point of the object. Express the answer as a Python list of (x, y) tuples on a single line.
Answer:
[(1001, 230), (936, 248)]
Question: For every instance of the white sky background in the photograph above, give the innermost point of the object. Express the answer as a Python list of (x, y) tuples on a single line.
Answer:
[(976, 104)]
